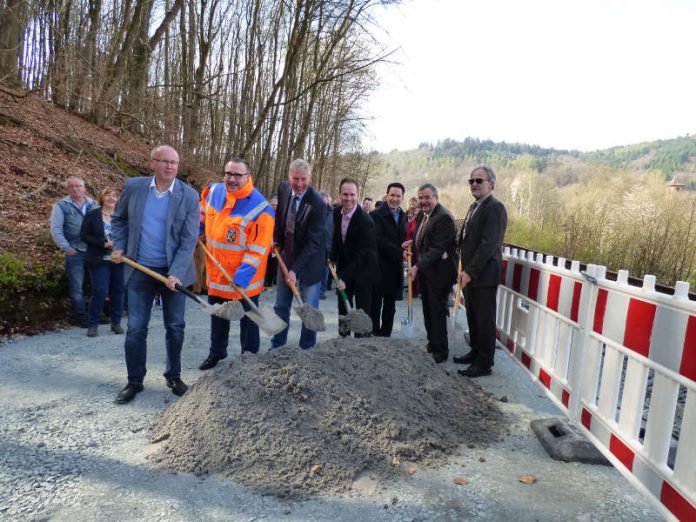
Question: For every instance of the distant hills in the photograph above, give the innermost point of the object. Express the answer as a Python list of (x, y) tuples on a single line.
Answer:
[(447, 160)]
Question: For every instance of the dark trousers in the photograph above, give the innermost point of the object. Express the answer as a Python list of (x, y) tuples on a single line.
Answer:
[(360, 294), (434, 299), (480, 314), (271, 270), (220, 330), (383, 309), (106, 279)]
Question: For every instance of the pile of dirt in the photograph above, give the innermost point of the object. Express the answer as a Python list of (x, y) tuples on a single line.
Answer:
[(292, 422)]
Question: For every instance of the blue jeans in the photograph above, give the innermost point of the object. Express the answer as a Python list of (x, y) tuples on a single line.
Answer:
[(75, 270), (106, 278), (141, 294), (284, 298), (220, 330), (325, 280)]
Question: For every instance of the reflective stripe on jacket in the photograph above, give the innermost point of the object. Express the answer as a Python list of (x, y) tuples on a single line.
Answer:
[(238, 231)]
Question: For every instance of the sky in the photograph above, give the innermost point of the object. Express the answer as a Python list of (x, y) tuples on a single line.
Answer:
[(566, 74)]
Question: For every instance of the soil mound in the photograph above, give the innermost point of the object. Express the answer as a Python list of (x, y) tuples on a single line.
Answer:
[(292, 423)]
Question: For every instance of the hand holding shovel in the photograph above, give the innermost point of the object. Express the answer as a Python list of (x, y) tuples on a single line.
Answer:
[(268, 321), (226, 311), (408, 325), (311, 318), (355, 320)]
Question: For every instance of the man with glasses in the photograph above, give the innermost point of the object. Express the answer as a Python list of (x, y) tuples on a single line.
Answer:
[(66, 222), (480, 248), (237, 225), (156, 224), (435, 267), (300, 235)]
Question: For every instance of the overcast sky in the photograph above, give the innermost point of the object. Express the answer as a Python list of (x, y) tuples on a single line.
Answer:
[(576, 74)]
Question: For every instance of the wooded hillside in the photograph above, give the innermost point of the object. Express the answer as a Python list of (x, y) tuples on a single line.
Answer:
[(613, 207)]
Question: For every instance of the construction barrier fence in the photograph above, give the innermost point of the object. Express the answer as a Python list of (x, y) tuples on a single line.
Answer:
[(619, 360)]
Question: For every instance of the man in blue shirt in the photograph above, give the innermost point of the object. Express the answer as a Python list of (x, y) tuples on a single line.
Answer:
[(156, 224)]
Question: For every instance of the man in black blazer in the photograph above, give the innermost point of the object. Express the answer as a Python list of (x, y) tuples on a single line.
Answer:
[(480, 248), (390, 231), (354, 249), (435, 268), (299, 234)]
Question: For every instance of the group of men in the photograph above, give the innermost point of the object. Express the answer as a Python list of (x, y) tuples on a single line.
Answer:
[(158, 221)]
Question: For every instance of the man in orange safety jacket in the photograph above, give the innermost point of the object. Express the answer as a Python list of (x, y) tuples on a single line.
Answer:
[(238, 225)]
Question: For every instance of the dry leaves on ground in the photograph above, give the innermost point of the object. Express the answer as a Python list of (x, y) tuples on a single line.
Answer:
[(527, 479), (460, 481)]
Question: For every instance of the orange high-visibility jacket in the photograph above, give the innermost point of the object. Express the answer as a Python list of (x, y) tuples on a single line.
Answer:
[(238, 231)]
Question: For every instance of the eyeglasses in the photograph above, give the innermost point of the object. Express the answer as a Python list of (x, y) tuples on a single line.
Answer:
[(236, 175), (169, 163), (478, 181)]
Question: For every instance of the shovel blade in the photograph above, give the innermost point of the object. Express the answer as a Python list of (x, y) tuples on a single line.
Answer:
[(311, 318), (267, 320), (230, 311)]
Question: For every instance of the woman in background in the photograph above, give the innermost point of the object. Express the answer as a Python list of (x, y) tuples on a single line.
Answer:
[(106, 278)]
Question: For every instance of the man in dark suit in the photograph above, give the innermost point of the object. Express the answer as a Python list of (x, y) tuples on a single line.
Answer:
[(156, 224), (480, 248), (354, 250), (390, 231), (299, 234), (435, 268)]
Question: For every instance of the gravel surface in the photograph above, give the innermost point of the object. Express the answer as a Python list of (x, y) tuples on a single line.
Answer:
[(67, 452)]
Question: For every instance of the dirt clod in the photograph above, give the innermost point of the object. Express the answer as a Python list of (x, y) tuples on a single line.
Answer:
[(354, 405)]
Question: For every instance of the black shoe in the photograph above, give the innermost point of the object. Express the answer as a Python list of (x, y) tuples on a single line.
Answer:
[(177, 385), (464, 359), (322, 296), (128, 393), (117, 329), (474, 371), (210, 362), (440, 357)]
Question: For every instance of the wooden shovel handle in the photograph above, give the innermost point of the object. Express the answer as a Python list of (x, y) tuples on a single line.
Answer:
[(341, 292), (227, 275), (160, 278), (284, 268)]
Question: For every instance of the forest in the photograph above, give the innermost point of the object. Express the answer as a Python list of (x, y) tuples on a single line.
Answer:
[(262, 79)]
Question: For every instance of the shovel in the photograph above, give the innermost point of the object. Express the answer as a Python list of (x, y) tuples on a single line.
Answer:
[(311, 318), (451, 320), (227, 311), (355, 320), (408, 324), (268, 321)]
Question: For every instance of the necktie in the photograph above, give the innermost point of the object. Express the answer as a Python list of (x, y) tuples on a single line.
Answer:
[(470, 213), (292, 213), (421, 231)]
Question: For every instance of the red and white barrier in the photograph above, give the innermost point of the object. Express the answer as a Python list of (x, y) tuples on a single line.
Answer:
[(607, 353)]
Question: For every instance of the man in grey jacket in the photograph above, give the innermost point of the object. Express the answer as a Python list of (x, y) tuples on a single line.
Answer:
[(156, 224), (66, 221)]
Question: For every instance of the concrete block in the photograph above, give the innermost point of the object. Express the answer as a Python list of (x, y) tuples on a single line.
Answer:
[(564, 442)]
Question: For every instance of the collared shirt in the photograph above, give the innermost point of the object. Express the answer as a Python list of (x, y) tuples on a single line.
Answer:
[(346, 221), (157, 193), (478, 204), (395, 214), (299, 198)]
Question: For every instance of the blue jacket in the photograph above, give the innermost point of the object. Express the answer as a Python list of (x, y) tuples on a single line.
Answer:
[(309, 245), (182, 226)]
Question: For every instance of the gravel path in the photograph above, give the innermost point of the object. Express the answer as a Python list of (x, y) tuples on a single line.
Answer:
[(68, 453)]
